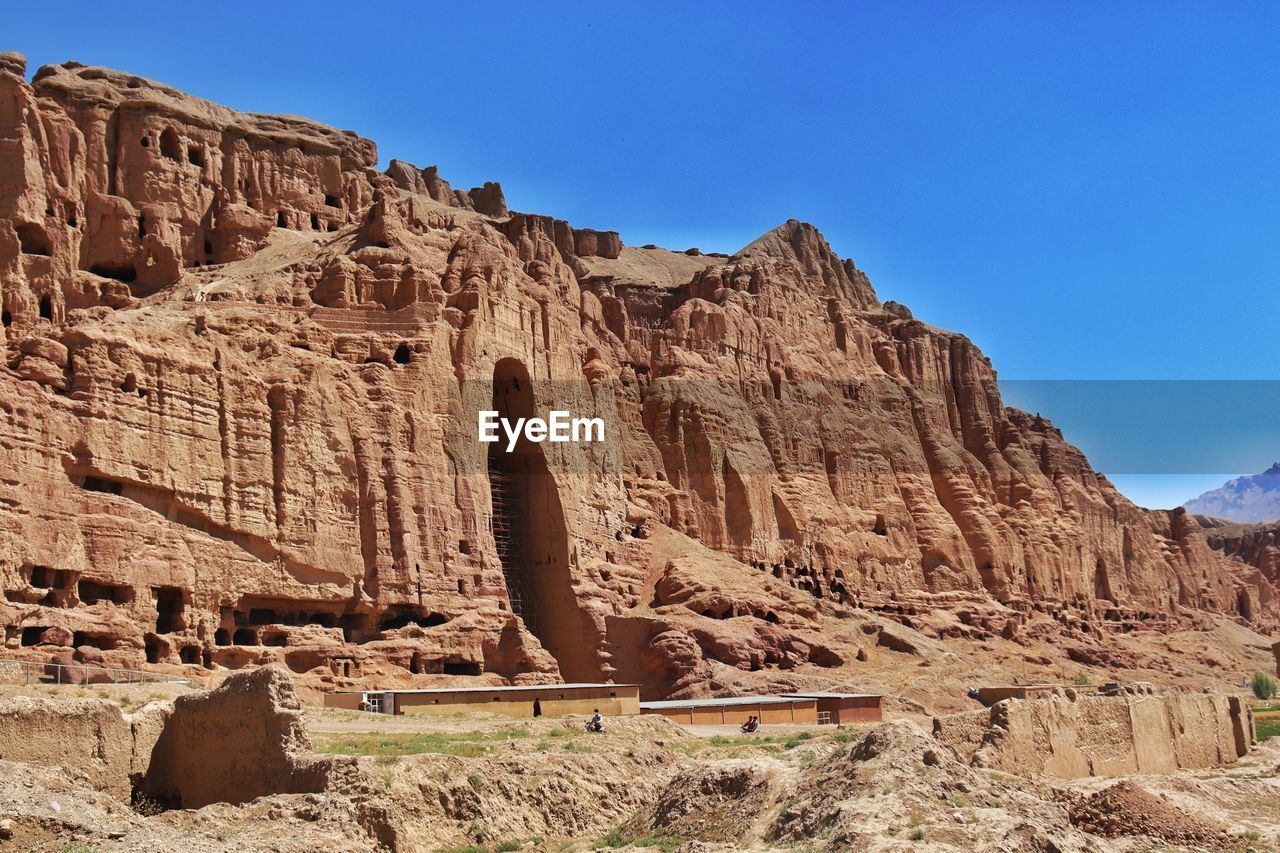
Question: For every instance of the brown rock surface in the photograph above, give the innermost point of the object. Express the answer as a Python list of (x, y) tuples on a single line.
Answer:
[(241, 376), (1072, 736), (90, 735), (236, 743)]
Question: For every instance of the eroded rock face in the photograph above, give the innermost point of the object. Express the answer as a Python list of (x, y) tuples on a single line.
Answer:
[(237, 424), (233, 744)]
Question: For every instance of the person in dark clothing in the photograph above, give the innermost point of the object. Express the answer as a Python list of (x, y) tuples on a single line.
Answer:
[(537, 707)]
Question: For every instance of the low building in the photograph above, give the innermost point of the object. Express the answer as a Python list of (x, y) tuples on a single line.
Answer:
[(555, 700), (734, 710), (838, 708), (819, 708)]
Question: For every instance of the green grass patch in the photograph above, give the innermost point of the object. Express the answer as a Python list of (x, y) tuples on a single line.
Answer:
[(1267, 728), (463, 744), (619, 837)]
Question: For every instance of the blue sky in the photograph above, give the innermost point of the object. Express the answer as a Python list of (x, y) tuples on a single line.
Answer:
[(1088, 190)]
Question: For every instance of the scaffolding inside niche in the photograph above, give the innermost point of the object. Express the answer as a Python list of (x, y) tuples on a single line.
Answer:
[(504, 524)]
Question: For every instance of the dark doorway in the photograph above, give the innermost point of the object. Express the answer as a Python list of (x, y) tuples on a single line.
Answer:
[(169, 607), (532, 542)]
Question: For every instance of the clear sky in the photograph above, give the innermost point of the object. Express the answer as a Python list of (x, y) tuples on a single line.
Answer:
[(1088, 190)]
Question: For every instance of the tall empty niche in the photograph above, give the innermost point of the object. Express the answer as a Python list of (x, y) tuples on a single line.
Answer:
[(529, 531)]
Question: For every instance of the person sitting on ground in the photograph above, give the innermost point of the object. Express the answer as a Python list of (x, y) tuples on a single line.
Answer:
[(596, 723), (750, 725)]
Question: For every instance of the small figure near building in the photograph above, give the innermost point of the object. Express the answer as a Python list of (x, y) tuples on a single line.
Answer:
[(596, 723), (537, 707)]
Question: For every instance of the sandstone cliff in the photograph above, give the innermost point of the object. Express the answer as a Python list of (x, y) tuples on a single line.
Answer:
[(241, 377)]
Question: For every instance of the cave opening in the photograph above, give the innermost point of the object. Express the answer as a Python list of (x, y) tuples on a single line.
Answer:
[(32, 240), (529, 532), (171, 144), (6, 319), (33, 634), (460, 668), (169, 606), (93, 641), (399, 616), (46, 307), (124, 273), (92, 592)]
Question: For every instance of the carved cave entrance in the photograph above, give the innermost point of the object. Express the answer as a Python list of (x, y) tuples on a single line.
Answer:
[(532, 541)]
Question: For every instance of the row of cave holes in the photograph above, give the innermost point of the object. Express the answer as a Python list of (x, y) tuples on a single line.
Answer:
[(282, 220), (171, 147), (45, 308), (733, 612), (59, 582), (246, 628)]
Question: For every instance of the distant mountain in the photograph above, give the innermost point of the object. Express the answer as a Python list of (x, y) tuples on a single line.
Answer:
[(1248, 500)]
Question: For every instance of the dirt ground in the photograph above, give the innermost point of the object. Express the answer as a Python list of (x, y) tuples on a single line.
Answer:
[(486, 782)]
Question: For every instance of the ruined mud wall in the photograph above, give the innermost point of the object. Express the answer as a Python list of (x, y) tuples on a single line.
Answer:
[(241, 376), (233, 744), (93, 736), (1073, 736), (243, 740)]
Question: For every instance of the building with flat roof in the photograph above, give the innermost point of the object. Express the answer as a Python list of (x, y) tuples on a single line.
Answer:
[(555, 700), (734, 710), (837, 708), (818, 708)]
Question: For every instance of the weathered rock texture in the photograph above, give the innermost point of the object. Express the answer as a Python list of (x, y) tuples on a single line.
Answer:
[(242, 740), (1074, 736), (106, 747), (241, 376), (233, 744), (1256, 545)]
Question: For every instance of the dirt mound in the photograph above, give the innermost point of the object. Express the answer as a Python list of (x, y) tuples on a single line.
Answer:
[(719, 802), (898, 783), (1126, 809)]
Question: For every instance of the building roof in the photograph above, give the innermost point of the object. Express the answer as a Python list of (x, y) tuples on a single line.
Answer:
[(827, 695), (497, 688), (723, 701)]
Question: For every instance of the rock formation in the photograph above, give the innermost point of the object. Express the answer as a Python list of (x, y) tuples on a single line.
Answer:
[(242, 370), (241, 741)]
